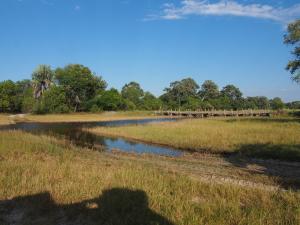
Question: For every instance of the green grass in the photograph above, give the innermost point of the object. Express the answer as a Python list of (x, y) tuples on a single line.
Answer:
[(267, 138), (45, 181)]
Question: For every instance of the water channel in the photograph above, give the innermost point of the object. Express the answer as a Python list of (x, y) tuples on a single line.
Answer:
[(73, 133)]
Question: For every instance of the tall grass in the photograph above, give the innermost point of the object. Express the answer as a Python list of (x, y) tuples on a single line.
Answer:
[(278, 138), (76, 184)]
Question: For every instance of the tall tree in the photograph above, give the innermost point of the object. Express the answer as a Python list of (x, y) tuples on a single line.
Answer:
[(79, 83), (232, 92), (277, 103), (180, 91), (133, 92), (209, 90), (293, 38), (42, 79)]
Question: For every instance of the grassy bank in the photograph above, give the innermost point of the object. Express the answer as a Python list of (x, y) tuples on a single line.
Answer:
[(268, 138), (4, 119), (44, 181), (76, 117)]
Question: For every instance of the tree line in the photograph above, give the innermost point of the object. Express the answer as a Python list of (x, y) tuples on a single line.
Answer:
[(75, 88)]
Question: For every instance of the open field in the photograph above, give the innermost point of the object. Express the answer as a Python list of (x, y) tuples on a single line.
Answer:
[(5, 119), (267, 138), (45, 181), (75, 117)]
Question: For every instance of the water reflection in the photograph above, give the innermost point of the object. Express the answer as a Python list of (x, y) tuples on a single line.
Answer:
[(73, 133)]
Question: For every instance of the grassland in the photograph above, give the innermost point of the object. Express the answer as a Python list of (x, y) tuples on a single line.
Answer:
[(46, 181), (267, 138), (5, 119), (74, 117)]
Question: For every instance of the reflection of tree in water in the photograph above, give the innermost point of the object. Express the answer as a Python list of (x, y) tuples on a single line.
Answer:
[(86, 139), (71, 132), (114, 207)]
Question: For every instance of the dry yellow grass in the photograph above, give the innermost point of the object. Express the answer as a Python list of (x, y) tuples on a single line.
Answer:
[(5, 119), (43, 181), (86, 117), (74, 117), (265, 137)]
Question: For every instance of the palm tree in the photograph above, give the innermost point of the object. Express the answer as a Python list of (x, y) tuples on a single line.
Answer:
[(42, 79)]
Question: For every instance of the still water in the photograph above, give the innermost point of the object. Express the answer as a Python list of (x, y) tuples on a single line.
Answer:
[(73, 133)]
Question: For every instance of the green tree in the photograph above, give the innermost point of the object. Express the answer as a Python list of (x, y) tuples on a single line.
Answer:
[(133, 92), (293, 38), (168, 101), (110, 100), (25, 96), (79, 83), (54, 101), (150, 102), (293, 105), (231, 98), (42, 79), (232, 92), (179, 91), (221, 102), (277, 103), (209, 90), (193, 103), (259, 102), (7, 96), (28, 101)]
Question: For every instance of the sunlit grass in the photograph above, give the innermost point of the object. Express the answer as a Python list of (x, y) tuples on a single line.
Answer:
[(76, 117), (264, 137), (5, 119), (88, 117), (30, 165)]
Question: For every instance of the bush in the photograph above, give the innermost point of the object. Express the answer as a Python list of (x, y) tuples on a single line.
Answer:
[(95, 109), (53, 101)]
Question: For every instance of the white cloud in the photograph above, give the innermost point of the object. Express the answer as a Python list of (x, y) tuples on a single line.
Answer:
[(227, 8)]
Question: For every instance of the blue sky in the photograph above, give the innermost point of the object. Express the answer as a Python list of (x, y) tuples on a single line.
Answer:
[(154, 42)]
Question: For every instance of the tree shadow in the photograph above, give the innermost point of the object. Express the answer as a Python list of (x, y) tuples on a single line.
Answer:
[(281, 162), (114, 207)]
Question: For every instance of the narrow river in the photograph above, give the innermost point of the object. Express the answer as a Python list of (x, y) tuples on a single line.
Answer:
[(73, 133)]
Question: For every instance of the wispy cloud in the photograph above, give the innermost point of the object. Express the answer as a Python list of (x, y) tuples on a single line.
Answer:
[(226, 8)]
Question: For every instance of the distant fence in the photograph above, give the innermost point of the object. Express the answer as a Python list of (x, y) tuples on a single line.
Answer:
[(215, 113)]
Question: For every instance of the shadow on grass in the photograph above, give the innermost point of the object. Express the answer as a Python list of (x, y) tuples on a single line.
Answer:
[(286, 152), (282, 162), (295, 114), (114, 207)]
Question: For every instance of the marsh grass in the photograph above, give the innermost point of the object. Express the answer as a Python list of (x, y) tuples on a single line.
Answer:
[(4, 119), (46, 181), (75, 117), (88, 117), (268, 138)]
